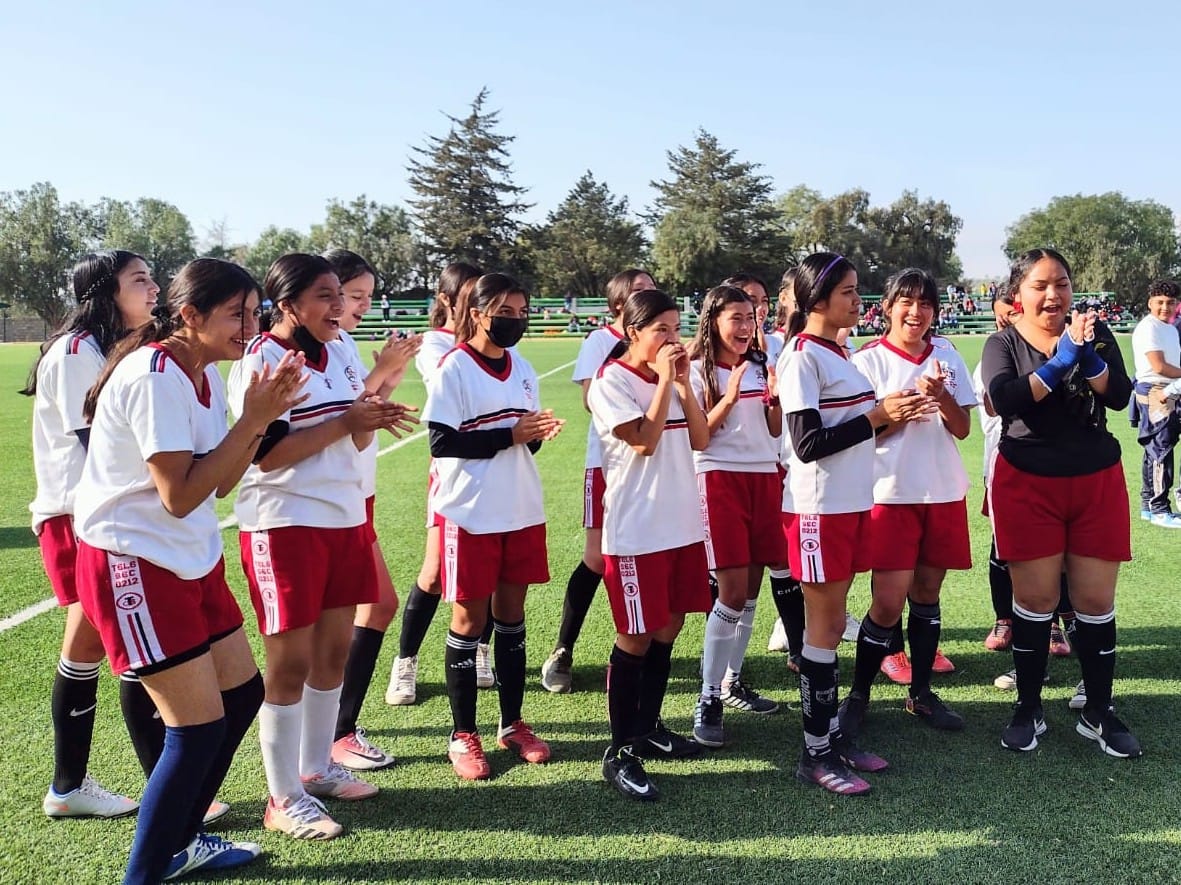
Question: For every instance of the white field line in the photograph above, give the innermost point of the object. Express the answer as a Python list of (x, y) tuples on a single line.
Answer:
[(27, 614)]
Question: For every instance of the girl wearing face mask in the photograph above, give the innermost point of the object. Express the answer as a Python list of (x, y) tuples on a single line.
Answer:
[(650, 424), (305, 542), (486, 425)]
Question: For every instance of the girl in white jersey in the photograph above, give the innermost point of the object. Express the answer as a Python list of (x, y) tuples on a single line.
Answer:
[(486, 425), (650, 423), (919, 522), (350, 746), (740, 495), (115, 294), (831, 415), (584, 581), (305, 543), (151, 576), (455, 284)]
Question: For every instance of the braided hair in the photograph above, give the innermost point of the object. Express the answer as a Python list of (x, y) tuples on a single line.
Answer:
[(705, 343)]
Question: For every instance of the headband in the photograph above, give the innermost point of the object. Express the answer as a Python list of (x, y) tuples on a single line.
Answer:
[(824, 272)]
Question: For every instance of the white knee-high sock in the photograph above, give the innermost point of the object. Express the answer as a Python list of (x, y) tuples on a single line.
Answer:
[(320, 709), (742, 633), (278, 734), (720, 631)]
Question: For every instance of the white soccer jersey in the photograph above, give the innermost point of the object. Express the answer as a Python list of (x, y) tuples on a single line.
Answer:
[(485, 495), (369, 453), (66, 372), (816, 374), (742, 443), (326, 489), (990, 425), (774, 346), (651, 502), (435, 344), (150, 405), (592, 353), (918, 464), (1152, 334)]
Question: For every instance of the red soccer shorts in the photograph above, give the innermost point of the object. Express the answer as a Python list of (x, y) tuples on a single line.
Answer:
[(473, 566), (59, 550), (647, 589), (741, 515), (902, 536), (824, 547), (370, 528), (593, 487)]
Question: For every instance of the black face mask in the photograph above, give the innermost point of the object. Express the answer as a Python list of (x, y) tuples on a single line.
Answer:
[(507, 331), (312, 347)]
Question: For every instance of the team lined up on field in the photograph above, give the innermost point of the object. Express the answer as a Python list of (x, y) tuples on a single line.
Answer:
[(741, 451)]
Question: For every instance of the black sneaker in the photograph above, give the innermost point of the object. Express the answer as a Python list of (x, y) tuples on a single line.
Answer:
[(1023, 730), (661, 743), (851, 714), (934, 712), (707, 723), (830, 772), (1109, 733), (625, 772), (741, 696)]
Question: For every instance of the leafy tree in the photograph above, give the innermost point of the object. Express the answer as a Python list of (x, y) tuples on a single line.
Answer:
[(467, 204), (156, 229), (585, 241), (40, 239), (271, 243), (1112, 243), (714, 217), (380, 234)]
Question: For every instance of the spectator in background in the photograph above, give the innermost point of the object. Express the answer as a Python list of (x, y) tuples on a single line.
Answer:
[(1156, 350), (385, 308), (573, 327)]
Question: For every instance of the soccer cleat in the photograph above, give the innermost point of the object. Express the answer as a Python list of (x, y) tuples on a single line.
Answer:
[(942, 663), (741, 696), (466, 753), (852, 628), (555, 672), (830, 772), (1109, 733), (625, 772), (520, 738), (778, 640), (1008, 681), (337, 782), (1167, 520), (897, 668), (851, 714), (661, 743), (1146, 515), (1000, 637), (90, 799), (707, 723), (302, 818), (485, 677), (1079, 700), (1023, 730), (403, 687), (793, 662), (1059, 644), (934, 712), (354, 752), (855, 757), (207, 852), (215, 812)]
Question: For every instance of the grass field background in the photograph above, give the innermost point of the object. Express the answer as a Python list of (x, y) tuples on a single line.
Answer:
[(954, 808)]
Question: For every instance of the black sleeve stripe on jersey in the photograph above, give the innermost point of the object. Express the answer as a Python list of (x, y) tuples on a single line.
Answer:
[(676, 424), (490, 417), (321, 411), (319, 407), (836, 402)]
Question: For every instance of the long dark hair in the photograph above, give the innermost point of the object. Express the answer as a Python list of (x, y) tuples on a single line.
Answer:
[(452, 280), (705, 343), (287, 277), (1024, 263), (487, 292), (816, 278), (639, 310), (95, 283), (203, 283), (915, 284), (786, 284), (620, 286), (348, 265)]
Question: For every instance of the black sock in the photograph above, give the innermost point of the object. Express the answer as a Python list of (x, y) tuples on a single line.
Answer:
[(789, 602), (358, 672), (818, 697), (625, 674), (897, 639), (714, 590), (580, 593), (1094, 643), (1000, 582), (143, 722), (1031, 648), (241, 706), (416, 620), (873, 643), (460, 661), (489, 624), (922, 628), (509, 655), (658, 664), (72, 704), (1065, 606), (164, 827)]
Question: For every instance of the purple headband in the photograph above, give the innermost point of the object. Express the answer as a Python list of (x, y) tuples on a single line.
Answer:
[(824, 272)]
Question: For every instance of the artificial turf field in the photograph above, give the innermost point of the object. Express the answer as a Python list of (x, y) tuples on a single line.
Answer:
[(953, 808)]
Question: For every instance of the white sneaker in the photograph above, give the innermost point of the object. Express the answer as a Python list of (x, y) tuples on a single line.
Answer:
[(403, 687), (852, 628), (485, 678), (778, 640), (1079, 700), (337, 782), (91, 799), (302, 818)]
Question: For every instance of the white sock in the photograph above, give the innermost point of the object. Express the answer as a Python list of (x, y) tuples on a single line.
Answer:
[(278, 734), (719, 638), (742, 633), (320, 709)]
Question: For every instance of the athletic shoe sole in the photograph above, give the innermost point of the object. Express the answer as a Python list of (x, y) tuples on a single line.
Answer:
[(1092, 734), (1039, 728)]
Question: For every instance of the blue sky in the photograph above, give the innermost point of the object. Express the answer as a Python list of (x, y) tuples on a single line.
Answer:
[(258, 113)]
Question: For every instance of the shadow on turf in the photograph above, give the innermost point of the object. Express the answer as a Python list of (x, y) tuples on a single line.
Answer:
[(16, 537)]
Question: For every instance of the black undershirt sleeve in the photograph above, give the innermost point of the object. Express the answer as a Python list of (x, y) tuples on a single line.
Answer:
[(83, 434), (534, 446), (811, 440), (447, 442), (275, 432)]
